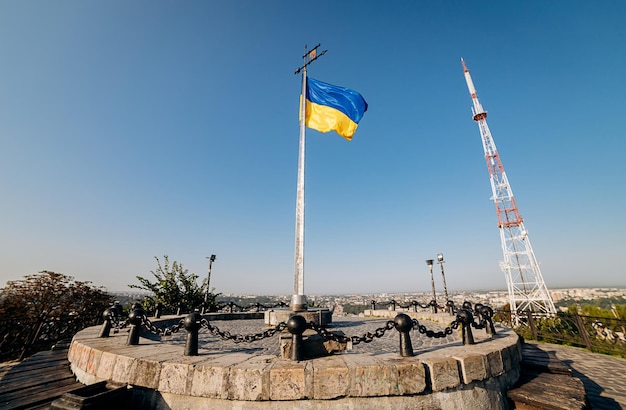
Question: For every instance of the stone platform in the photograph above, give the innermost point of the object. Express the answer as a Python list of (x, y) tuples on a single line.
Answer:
[(442, 374), (319, 316)]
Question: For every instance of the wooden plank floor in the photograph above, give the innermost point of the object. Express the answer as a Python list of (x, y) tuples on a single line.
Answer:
[(36, 381), (546, 383)]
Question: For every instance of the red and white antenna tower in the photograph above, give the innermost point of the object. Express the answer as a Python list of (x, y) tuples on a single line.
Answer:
[(527, 290)]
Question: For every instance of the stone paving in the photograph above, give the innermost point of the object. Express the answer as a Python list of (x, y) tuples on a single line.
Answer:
[(350, 326), (603, 375)]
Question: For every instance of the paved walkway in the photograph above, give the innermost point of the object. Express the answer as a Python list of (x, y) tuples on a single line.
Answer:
[(604, 376), (36, 381)]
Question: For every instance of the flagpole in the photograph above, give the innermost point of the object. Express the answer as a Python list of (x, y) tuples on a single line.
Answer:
[(298, 300)]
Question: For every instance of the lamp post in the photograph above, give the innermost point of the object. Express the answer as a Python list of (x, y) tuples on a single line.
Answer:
[(429, 263), (208, 281), (440, 261)]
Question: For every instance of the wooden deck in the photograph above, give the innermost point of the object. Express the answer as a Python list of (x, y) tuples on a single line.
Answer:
[(546, 383), (37, 381)]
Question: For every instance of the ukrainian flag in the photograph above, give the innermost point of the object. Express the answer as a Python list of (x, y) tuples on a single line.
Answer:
[(333, 108)]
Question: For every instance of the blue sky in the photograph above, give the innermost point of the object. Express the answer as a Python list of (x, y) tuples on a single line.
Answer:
[(130, 130)]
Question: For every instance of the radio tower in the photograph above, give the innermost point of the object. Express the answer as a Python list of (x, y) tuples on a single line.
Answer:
[(527, 290)]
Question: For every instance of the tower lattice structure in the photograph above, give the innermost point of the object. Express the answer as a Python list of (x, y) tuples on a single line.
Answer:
[(526, 287)]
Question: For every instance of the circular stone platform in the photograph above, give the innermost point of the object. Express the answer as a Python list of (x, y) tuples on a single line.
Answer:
[(319, 316), (225, 375)]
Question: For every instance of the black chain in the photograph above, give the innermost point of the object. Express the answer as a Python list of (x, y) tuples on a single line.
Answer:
[(431, 333), (367, 337), (242, 338), (115, 324), (257, 306), (481, 325), (161, 332)]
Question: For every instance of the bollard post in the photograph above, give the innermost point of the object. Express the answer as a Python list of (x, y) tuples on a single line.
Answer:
[(373, 303), (393, 305), (450, 307), (414, 303), (403, 324), (192, 325), (106, 326), (487, 314), (433, 306), (477, 308), (296, 326), (158, 310), (231, 304), (135, 317), (117, 309), (466, 318)]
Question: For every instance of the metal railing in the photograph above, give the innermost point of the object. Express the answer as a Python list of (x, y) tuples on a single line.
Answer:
[(597, 334), (22, 337)]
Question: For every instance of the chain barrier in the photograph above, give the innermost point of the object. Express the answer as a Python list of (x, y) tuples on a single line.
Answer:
[(436, 334), (158, 331), (297, 325), (258, 307), (117, 325), (366, 338), (380, 332), (226, 335), (413, 304), (481, 325)]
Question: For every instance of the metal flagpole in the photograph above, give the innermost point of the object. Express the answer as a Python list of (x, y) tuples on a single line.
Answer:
[(298, 300)]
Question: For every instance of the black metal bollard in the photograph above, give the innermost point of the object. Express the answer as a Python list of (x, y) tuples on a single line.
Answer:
[(450, 307), (466, 318), (117, 309), (296, 326), (415, 303), (158, 310), (192, 325), (393, 305), (106, 326), (230, 306), (476, 310), (135, 317), (180, 308), (486, 313), (373, 303), (433, 306), (403, 324)]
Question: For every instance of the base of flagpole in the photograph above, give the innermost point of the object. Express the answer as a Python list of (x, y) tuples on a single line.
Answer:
[(298, 303)]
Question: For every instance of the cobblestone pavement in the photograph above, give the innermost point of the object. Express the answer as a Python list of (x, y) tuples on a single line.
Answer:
[(604, 376), (350, 326)]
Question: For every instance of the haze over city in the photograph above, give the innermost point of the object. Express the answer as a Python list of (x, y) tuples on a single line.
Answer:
[(151, 128)]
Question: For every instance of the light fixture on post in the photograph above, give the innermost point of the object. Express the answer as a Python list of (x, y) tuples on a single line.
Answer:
[(208, 281), (440, 261), (433, 303)]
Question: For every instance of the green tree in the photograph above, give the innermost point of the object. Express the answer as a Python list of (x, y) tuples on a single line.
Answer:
[(174, 285), (51, 294), (39, 310)]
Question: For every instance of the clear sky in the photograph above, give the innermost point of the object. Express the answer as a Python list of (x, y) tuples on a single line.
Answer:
[(135, 129)]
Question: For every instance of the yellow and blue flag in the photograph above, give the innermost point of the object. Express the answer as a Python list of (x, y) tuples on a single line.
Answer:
[(333, 108)]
